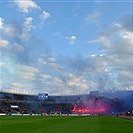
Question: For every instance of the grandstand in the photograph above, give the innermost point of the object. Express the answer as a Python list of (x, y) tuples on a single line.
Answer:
[(89, 104)]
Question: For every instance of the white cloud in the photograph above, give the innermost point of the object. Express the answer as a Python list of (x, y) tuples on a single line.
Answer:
[(27, 23), (21, 31), (19, 85), (1, 23), (117, 25), (45, 15), (93, 17), (27, 28), (127, 36), (42, 61), (116, 43), (46, 76), (72, 39), (117, 40), (55, 66), (10, 30), (51, 59), (29, 69), (67, 84), (77, 81), (25, 72), (56, 82), (4, 43), (16, 71), (50, 64), (26, 6)]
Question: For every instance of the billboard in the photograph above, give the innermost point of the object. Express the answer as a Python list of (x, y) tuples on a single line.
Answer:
[(43, 96)]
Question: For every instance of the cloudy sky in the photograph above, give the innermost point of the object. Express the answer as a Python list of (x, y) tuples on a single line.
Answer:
[(65, 47)]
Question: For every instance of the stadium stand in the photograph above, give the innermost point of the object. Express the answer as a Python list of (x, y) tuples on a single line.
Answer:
[(19, 104)]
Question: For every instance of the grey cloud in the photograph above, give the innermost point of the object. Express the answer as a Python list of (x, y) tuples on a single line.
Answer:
[(126, 22)]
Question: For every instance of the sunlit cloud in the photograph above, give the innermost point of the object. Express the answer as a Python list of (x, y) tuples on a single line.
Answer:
[(3, 43), (26, 6), (72, 39), (1, 23), (45, 15)]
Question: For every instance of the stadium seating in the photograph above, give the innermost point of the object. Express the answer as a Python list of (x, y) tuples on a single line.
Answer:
[(78, 104)]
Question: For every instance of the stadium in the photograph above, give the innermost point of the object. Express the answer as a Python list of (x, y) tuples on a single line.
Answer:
[(66, 66), (43, 104), (54, 113)]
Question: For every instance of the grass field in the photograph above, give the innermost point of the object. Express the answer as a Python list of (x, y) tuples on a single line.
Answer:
[(58, 124)]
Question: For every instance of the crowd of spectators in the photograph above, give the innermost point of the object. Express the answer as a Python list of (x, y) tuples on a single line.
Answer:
[(30, 104)]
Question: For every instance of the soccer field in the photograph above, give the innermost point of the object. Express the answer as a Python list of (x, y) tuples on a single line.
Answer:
[(69, 124)]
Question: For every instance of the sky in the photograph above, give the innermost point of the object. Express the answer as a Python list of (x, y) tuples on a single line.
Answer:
[(66, 47)]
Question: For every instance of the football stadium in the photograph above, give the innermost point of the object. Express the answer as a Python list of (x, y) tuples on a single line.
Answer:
[(66, 66), (94, 112)]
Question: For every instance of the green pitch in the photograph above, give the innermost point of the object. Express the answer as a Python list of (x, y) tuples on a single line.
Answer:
[(58, 124)]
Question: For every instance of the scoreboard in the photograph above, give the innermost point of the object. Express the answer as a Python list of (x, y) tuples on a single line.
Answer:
[(43, 96)]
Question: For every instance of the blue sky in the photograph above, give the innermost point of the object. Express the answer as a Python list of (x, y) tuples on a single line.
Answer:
[(65, 47)]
